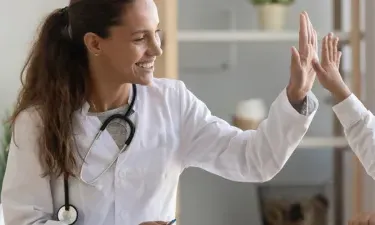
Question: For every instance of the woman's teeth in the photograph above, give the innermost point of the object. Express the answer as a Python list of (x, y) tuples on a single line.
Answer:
[(145, 65)]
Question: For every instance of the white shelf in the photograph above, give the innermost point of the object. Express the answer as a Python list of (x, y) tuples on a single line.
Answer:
[(322, 142), (246, 36)]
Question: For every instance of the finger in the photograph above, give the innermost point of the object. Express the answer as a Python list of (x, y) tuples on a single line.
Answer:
[(330, 47), (311, 34), (315, 42), (335, 46), (296, 60), (318, 68), (312, 53), (303, 34), (339, 54), (324, 53), (315, 45), (310, 29)]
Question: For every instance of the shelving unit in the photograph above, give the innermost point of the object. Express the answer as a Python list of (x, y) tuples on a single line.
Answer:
[(247, 36), (323, 143), (167, 66)]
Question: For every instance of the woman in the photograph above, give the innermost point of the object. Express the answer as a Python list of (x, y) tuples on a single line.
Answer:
[(357, 121), (96, 58)]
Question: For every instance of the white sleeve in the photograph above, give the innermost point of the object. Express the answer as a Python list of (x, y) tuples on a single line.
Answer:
[(359, 130), (26, 195), (258, 155)]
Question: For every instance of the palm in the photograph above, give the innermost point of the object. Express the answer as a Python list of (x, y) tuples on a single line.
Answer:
[(328, 72), (302, 73)]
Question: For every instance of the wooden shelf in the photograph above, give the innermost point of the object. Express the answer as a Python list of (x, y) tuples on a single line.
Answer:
[(246, 36)]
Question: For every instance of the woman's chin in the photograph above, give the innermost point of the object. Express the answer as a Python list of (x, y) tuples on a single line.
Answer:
[(145, 79)]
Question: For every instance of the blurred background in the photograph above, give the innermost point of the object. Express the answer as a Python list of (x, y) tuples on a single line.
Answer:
[(238, 50)]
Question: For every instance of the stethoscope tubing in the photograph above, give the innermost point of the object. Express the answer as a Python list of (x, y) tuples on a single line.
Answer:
[(68, 210)]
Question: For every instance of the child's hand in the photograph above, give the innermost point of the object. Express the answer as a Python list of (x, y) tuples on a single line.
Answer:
[(328, 70)]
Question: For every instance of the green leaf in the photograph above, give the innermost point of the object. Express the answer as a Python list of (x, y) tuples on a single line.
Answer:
[(5, 142)]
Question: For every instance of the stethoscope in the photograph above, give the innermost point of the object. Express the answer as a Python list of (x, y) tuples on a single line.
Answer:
[(68, 213)]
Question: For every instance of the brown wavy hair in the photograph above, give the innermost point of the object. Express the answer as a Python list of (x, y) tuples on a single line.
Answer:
[(54, 77)]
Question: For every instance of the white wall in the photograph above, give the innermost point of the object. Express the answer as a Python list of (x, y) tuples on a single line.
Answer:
[(18, 22)]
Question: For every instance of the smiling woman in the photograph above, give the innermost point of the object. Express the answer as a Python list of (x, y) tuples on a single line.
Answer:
[(87, 53), (98, 140)]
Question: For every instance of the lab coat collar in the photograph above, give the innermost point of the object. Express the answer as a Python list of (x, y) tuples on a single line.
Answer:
[(86, 106)]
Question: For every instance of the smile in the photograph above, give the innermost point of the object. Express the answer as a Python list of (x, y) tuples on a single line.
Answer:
[(145, 65)]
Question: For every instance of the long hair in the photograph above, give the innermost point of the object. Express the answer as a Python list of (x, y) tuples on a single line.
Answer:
[(55, 76)]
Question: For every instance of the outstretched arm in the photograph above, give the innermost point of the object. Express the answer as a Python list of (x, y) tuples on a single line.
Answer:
[(210, 143), (253, 155), (357, 121)]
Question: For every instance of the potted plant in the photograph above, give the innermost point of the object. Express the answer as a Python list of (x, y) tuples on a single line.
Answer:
[(4, 148), (272, 13)]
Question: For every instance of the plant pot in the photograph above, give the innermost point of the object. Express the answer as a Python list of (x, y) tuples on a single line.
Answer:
[(272, 16), (244, 123), (249, 114)]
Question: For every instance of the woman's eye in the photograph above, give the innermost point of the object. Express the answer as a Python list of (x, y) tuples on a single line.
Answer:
[(139, 39)]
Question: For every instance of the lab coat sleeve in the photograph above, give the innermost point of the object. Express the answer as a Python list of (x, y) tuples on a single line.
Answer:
[(359, 129), (26, 195), (212, 144)]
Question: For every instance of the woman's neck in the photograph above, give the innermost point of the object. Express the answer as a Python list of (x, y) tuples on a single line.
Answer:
[(104, 97)]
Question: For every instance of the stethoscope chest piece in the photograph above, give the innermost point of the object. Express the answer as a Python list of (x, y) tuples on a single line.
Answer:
[(67, 216)]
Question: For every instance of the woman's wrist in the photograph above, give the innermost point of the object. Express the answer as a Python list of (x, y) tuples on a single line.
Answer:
[(341, 93)]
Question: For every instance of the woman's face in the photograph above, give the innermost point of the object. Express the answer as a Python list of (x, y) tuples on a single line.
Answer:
[(129, 53)]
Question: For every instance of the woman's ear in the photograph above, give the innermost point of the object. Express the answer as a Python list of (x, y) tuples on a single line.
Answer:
[(92, 43)]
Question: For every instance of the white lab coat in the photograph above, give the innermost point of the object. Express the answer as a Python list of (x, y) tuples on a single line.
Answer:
[(174, 130), (359, 129)]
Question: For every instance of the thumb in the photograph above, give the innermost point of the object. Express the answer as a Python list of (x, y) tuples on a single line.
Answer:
[(317, 67), (296, 60)]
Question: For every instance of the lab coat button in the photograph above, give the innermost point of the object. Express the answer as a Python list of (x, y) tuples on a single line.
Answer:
[(99, 187)]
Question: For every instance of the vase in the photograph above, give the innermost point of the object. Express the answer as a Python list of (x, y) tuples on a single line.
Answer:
[(272, 16)]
